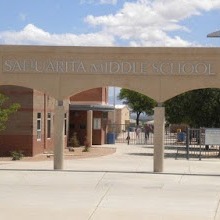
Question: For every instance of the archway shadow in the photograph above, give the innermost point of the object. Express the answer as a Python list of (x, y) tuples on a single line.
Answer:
[(110, 171)]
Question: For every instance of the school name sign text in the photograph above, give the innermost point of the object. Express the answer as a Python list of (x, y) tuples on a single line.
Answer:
[(142, 67)]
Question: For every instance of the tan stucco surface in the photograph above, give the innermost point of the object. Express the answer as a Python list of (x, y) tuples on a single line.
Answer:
[(155, 72)]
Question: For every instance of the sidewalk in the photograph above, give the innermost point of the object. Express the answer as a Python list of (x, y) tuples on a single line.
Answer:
[(128, 158), (120, 186)]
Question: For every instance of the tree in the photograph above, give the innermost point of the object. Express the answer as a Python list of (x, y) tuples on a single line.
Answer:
[(198, 108), (138, 102), (6, 110)]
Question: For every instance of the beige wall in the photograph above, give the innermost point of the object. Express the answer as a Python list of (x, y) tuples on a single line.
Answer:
[(159, 73), (125, 115), (121, 115)]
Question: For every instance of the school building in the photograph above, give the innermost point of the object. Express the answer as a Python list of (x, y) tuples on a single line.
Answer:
[(31, 129)]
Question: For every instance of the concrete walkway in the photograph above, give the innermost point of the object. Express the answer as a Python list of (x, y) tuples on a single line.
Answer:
[(121, 186)]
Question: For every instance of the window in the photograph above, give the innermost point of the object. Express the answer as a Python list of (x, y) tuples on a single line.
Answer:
[(65, 124), (48, 125), (38, 126), (97, 123)]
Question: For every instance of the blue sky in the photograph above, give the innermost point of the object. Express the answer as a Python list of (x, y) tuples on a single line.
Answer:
[(183, 23)]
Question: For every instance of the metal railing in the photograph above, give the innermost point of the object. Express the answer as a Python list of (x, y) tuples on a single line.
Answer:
[(188, 144)]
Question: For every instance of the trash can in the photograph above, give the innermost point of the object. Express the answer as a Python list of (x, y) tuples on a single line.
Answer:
[(110, 138), (181, 136)]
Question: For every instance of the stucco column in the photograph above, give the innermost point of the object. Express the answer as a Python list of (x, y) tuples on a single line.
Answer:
[(89, 126), (59, 136), (159, 119)]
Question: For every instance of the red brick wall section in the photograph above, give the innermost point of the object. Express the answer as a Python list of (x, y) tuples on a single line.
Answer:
[(89, 95), (21, 132), (78, 121), (105, 94), (44, 104), (10, 143), (19, 128)]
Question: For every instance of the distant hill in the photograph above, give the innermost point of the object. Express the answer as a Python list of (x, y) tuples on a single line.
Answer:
[(143, 117)]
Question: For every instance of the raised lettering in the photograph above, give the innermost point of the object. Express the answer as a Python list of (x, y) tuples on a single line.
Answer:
[(8, 66), (108, 67), (144, 67), (201, 68), (114, 67), (50, 67), (126, 67), (81, 67), (156, 68), (17, 66), (188, 68)]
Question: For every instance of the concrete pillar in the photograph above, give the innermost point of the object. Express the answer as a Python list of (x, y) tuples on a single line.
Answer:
[(159, 119), (59, 136), (89, 126)]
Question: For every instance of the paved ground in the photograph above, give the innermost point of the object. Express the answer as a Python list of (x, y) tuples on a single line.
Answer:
[(120, 186)]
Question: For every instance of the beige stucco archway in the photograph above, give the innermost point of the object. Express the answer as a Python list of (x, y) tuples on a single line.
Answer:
[(160, 73)]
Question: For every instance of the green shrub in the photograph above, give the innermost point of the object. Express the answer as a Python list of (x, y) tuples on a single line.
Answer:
[(74, 142), (16, 155), (86, 145)]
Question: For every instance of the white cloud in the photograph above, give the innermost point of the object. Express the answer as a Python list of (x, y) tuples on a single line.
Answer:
[(36, 36), (138, 23), (148, 22), (112, 2)]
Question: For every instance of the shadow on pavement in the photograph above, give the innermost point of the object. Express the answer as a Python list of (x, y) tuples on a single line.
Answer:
[(112, 171)]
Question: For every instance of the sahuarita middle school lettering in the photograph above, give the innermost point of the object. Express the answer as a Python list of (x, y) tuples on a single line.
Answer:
[(107, 67)]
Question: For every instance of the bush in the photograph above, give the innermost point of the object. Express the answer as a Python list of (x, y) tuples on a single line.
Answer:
[(74, 142), (16, 155), (86, 145)]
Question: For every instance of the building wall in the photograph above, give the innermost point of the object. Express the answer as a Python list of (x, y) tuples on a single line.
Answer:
[(19, 128), (21, 131), (78, 119), (96, 95), (45, 105), (122, 115), (78, 124)]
